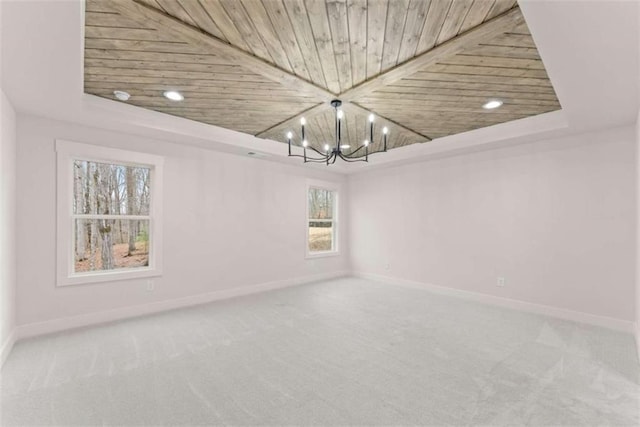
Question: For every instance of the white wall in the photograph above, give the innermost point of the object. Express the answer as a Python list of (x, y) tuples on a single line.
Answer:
[(7, 223), (637, 299), (556, 218), (229, 222)]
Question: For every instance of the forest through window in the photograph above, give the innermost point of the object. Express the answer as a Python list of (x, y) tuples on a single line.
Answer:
[(111, 216), (321, 220)]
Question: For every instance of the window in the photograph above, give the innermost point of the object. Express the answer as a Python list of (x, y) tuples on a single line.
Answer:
[(321, 221), (108, 214)]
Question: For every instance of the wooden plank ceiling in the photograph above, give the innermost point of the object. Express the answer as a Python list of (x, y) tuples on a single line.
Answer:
[(423, 67)]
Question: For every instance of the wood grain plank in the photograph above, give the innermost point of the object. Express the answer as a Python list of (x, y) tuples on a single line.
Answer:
[(170, 74), (190, 34), (413, 28), (429, 74), (146, 34), (174, 8), (466, 59), (456, 90), (436, 80), (263, 26), (357, 15), (479, 34), (458, 101), (512, 40), (337, 12), (435, 19), (225, 81), (163, 66), (396, 18), (109, 19), (201, 18), (354, 108), (133, 55), (299, 19), (453, 22), (477, 14), (234, 106), (486, 71), (501, 6), (244, 24), (151, 3), (142, 46), (505, 52), (450, 107), (280, 20), (319, 20), (293, 122), (221, 19), (198, 92), (99, 6), (376, 25)]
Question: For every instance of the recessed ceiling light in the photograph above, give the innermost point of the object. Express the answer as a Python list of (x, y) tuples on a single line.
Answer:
[(121, 95), (490, 105), (173, 95)]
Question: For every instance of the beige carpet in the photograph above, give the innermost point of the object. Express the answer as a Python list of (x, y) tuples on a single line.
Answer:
[(343, 352)]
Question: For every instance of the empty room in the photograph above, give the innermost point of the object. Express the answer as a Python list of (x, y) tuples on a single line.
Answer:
[(319, 212)]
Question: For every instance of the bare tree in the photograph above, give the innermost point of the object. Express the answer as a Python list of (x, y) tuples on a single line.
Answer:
[(78, 187), (131, 207), (105, 225)]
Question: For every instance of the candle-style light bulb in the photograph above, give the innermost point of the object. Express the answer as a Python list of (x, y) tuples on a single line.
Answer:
[(326, 147), (366, 142), (289, 136), (305, 144), (371, 117), (303, 121), (340, 114), (385, 131)]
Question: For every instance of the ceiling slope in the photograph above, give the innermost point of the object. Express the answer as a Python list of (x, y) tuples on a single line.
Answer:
[(424, 68)]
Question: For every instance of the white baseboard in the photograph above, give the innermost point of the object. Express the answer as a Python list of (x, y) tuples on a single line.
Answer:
[(62, 324), (7, 345), (561, 313)]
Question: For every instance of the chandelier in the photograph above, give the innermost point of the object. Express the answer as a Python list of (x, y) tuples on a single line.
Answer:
[(331, 153)]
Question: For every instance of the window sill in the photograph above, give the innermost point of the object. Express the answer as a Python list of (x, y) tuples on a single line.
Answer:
[(111, 276), (312, 255)]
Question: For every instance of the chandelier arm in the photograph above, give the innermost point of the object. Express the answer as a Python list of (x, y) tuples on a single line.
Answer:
[(316, 160), (319, 152), (309, 159), (351, 155), (355, 151), (349, 160), (330, 156)]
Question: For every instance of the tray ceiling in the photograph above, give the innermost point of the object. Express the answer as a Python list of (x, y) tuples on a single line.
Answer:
[(424, 68)]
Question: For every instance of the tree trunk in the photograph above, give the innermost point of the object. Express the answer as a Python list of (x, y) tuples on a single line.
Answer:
[(106, 247), (131, 208), (78, 189), (104, 207), (93, 208)]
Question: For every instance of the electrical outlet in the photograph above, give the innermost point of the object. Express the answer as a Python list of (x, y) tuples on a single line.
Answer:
[(500, 282), (150, 285)]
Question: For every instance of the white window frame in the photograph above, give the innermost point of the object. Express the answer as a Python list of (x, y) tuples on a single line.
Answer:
[(68, 152), (321, 185)]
